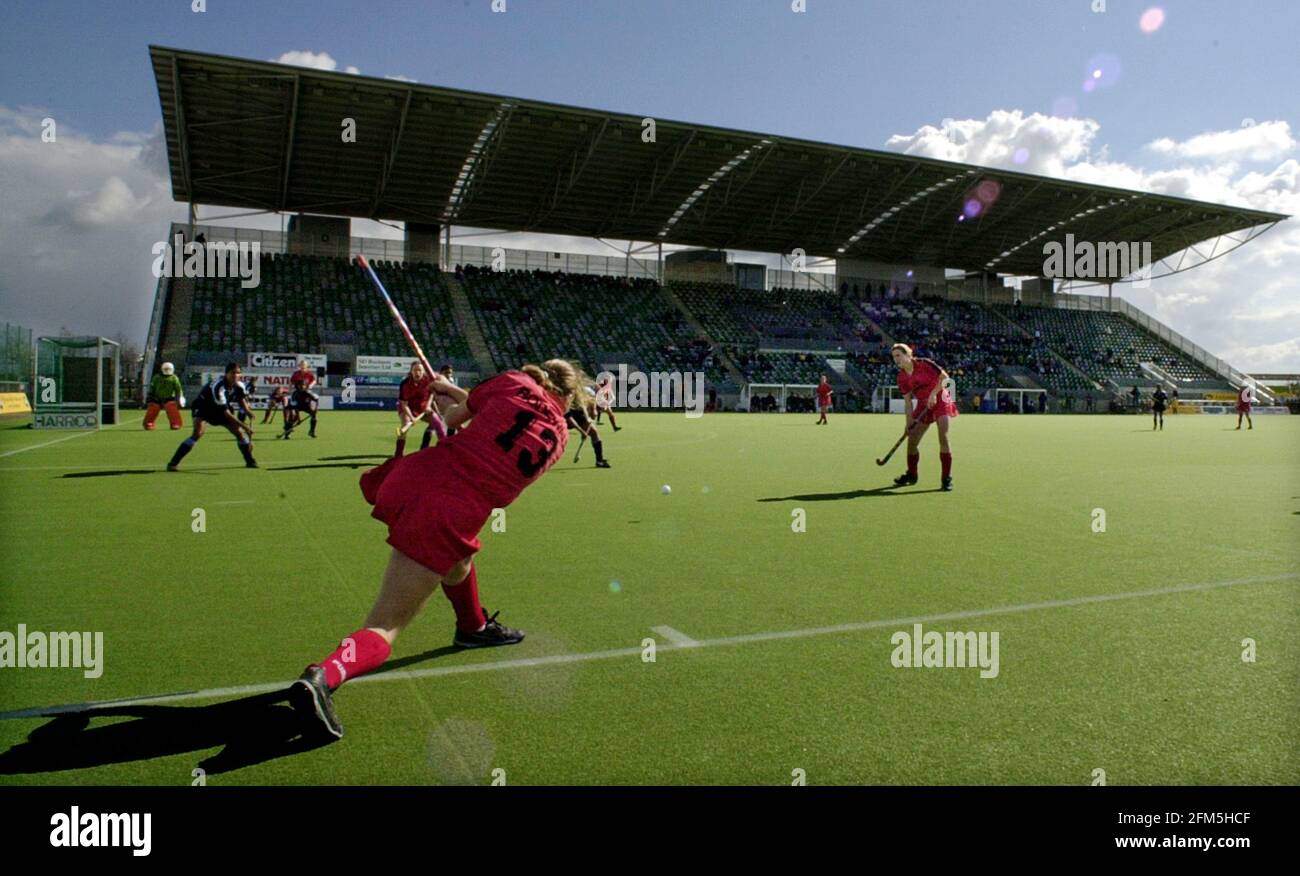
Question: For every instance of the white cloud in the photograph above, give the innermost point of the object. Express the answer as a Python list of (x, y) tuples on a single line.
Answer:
[(1254, 142), (1240, 307), (79, 220), (317, 60), (1032, 143), (400, 78), (114, 202)]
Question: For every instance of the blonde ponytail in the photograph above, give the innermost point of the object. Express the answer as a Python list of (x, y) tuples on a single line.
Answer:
[(560, 378)]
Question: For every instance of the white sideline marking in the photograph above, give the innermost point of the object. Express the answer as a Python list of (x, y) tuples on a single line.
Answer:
[(64, 438), (677, 637), (45, 444), (560, 659)]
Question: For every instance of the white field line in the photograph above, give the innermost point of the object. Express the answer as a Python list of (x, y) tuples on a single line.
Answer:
[(744, 639), (45, 444), (64, 438), (677, 637)]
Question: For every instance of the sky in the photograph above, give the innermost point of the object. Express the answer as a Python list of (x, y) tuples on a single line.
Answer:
[(1194, 98)]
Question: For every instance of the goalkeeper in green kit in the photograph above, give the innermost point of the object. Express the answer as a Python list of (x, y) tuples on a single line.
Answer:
[(165, 393)]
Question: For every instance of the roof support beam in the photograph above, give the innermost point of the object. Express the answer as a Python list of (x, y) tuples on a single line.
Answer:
[(288, 143), (391, 157), (633, 199), (244, 172), (558, 192), (182, 141)]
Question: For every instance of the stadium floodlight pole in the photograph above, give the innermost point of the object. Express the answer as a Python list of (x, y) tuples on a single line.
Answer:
[(397, 315)]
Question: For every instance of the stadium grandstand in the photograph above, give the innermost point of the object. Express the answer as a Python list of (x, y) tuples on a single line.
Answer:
[(882, 247)]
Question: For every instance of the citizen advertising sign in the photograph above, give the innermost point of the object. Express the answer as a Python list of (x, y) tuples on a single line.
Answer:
[(380, 365), (84, 420), (287, 361)]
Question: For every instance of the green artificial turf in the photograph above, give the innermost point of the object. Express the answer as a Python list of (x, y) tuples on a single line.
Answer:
[(1150, 688)]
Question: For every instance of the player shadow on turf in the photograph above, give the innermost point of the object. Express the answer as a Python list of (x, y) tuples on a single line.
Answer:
[(252, 730), (431, 654), (889, 490), (112, 473), (370, 463)]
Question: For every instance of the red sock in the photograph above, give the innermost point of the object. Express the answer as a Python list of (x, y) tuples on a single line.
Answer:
[(464, 599), (363, 651), (946, 459), (912, 460)]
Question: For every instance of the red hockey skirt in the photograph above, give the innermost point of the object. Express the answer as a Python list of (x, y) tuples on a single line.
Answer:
[(1243, 407), (942, 408), (433, 515)]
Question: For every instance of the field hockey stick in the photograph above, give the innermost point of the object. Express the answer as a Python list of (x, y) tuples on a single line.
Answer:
[(887, 456), (302, 418), (580, 443), (397, 314), (897, 443)]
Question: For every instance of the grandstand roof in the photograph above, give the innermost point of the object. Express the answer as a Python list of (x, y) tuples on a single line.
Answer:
[(267, 136)]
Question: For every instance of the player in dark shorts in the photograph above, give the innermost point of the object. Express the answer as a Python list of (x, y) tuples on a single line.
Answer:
[(1159, 401), (216, 404), (576, 417), (301, 401), (245, 414)]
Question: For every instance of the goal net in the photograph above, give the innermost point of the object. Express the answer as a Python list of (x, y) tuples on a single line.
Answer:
[(779, 397), (1018, 400), (76, 383)]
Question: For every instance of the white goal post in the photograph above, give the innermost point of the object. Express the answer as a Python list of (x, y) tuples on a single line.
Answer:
[(75, 383), (1019, 397), (780, 392)]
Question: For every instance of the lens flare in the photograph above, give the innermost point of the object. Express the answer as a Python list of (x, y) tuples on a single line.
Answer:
[(1151, 20), (1103, 71), (988, 192)]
